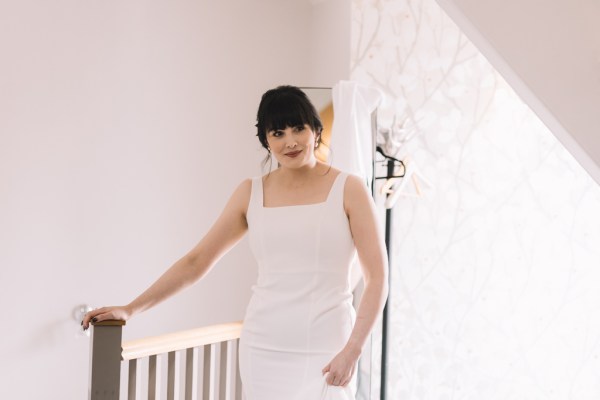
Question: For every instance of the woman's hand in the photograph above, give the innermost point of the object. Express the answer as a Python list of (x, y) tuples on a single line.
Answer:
[(121, 313), (340, 370)]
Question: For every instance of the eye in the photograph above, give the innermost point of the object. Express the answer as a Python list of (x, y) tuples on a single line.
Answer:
[(276, 133), (299, 128)]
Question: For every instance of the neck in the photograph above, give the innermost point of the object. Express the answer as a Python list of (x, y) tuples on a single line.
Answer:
[(315, 167)]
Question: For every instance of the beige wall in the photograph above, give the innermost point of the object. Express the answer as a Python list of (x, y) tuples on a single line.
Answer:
[(330, 42), (124, 127), (550, 53)]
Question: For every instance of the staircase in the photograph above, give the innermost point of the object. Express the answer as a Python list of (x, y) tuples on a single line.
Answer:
[(200, 363)]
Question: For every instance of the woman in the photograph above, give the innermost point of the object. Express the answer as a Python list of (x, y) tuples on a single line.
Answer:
[(301, 337)]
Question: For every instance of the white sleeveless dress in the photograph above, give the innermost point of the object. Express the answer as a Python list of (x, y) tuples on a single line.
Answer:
[(300, 314)]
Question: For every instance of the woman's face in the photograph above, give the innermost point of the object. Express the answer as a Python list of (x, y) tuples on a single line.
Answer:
[(293, 146)]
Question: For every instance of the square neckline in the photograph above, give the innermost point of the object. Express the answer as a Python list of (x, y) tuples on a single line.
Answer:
[(262, 195)]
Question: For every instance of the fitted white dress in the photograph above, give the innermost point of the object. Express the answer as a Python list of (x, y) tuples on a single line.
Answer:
[(300, 314)]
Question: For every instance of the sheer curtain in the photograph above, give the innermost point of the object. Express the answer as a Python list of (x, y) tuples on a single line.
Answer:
[(494, 274)]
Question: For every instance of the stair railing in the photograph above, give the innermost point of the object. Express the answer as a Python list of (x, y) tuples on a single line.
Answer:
[(201, 363)]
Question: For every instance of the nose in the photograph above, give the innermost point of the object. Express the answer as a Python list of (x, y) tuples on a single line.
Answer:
[(291, 141)]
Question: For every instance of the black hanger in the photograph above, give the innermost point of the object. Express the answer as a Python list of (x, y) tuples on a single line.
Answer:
[(388, 160)]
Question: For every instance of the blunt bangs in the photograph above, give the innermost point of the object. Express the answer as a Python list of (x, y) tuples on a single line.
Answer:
[(282, 107), (285, 111)]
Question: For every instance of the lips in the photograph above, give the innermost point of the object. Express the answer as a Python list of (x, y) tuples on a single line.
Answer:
[(293, 153)]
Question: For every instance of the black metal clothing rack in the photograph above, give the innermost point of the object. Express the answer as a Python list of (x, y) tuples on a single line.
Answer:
[(391, 164)]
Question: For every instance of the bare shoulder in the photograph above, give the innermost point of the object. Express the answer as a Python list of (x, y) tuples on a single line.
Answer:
[(356, 195), (243, 189), (245, 186), (354, 180), (354, 186), (240, 198)]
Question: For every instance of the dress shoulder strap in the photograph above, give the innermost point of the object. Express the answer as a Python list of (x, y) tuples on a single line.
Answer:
[(336, 194), (256, 194)]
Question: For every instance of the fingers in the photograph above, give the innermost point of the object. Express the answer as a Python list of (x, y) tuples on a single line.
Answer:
[(93, 316), (338, 377), (349, 375), (331, 377), (337, 380), (340, 369), (335, 377), (85, 323), (346, 381)]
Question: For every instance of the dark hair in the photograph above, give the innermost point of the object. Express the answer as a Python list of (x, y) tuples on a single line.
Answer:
[(286, 106)]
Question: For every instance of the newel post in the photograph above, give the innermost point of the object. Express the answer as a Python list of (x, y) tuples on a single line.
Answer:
[(105, 360)]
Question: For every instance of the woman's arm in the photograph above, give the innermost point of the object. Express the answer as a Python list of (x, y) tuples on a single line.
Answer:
[(370, 248), (222, 236)]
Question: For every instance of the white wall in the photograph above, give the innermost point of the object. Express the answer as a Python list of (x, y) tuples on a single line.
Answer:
[(550, 54), (330, 42), (124, 127)]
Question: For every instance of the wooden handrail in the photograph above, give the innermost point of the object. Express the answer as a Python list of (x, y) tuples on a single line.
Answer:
[(220, 374), (109, 322), (169, 342)]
